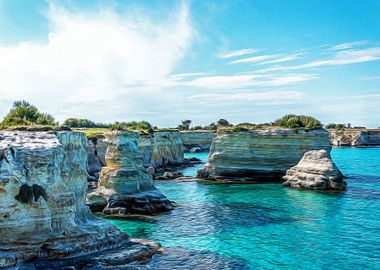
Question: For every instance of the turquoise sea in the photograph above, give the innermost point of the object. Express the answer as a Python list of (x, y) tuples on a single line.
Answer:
[(267, 226)]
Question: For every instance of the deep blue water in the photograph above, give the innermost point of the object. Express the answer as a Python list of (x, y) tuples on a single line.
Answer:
[(267, 226)]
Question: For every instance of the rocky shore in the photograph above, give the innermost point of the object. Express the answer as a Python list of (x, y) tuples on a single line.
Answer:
[(43, 215), (355, 137), (124, 186), (260, 155)]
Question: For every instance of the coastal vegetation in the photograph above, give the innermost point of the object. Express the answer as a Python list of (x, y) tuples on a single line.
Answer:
[(298, 121), (23, 113)]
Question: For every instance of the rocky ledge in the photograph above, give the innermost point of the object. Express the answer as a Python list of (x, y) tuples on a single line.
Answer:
[(124, 186), (260, 155), (355, 137), (43, 215), (197, 140), (316, 171)]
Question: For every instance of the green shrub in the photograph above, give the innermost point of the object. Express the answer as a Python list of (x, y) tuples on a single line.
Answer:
[(298, 121), (23, 113), (143, 126)]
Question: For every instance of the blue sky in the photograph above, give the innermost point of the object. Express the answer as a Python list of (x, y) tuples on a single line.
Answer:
[(165, 61)]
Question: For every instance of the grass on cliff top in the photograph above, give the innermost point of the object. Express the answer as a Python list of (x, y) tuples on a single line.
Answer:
[(36, 128), (92, 132)]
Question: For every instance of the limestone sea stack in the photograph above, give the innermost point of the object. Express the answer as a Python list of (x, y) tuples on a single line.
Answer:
[(263, 154), (197, 139), (355, 137), (43, 214), (124, 186), (316, 171), (162, 148)]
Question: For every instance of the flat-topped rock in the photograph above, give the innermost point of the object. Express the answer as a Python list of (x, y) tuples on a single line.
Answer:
[(43, 214), (263, 154), (124, 186), (316, 171), (197, 139), (355, 137), (162, 148)]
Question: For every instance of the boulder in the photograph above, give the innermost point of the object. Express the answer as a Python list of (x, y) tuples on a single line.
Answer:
[(151, 170), (195, 150), (170, 175), (316, 171)]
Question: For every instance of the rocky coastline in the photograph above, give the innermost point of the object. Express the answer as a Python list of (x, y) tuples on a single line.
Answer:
[(355, 137), (43, 183)]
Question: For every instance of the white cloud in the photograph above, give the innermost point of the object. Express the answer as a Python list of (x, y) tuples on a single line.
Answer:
[(90, 58), (348, 45), (255, 59), (237, 53), (251, 80), (282, 59), (276, 97), (344, 57)]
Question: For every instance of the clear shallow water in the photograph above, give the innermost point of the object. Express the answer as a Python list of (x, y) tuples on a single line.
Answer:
[(267, 226)]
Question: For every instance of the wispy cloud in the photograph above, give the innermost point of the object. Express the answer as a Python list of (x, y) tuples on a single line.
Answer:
[(282, 59), (344, 57), (231, 54), (276, 97), (244, 81), (349, 45), (255, 59)]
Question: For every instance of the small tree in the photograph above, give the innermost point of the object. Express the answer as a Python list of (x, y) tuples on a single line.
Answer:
[(223, 123), (186, 124), (24, 113)]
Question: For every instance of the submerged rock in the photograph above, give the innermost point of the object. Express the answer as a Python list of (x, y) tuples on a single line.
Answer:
[(315, 170), (124, 186), (260, 154), (170, 175), (43, 214)]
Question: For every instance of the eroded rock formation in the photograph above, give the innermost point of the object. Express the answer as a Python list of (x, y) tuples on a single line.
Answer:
[(260, 154), (355, 137), (315, 170), (124, 186), (201, 139), (43, 214), (162, 148), (96, 152)]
